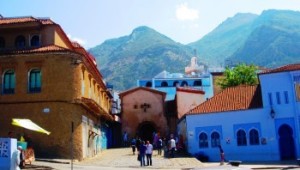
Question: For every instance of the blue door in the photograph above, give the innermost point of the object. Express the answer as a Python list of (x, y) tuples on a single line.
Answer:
[(286, 142)]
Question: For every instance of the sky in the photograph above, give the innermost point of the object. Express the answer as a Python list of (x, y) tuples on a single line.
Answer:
[(91, 22)]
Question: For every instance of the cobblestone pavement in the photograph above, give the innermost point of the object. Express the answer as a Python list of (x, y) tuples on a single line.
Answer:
[(122, 158)]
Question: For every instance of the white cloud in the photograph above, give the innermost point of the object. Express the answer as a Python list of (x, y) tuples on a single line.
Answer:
[(183, 12), (76, 39)]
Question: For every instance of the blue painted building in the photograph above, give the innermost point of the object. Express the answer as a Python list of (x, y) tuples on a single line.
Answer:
[(251, 123), (196, 76)]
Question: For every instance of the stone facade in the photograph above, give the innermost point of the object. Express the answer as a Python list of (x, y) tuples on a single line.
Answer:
[(143, 112), (70, 90)]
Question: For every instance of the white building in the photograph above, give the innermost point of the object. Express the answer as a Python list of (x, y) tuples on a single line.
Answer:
[(251, 123)]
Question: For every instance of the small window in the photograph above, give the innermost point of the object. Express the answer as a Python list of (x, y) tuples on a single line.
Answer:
[(175, 84), (278, 98), (241, 138), (203, 143), (198, 83), (20, 41), (2, 42), (286, 97), (254, 137), (270, 99), (164, 84), (184, 83), (149, 84), (35, 81), (35, 41), (215, 139), (9, 82)]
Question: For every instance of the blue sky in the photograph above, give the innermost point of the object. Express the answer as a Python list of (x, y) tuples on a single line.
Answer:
[(90, 22)]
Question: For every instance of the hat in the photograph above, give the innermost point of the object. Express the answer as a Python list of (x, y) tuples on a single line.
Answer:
[(20, 147)]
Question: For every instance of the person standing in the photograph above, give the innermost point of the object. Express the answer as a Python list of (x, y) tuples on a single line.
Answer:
[(149, 151), (222, 155), (16, 159), (125, 139), (159, 146), (172, 146), (138, 143), (133, 145), (142, 153)]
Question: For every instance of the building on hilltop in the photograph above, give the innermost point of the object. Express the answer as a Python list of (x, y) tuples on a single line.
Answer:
[(197, 76), (55, 83), (251, 123)]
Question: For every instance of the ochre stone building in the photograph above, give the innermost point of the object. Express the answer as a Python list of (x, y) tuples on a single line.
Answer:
[(143, 112), (53, 82)]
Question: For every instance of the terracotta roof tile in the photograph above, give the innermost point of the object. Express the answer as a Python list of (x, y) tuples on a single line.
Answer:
[(17, 20), (231, 99), (50, 48), (290, 67), (122, 94)]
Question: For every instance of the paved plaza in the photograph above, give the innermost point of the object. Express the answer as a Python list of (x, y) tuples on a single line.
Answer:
[(122, 158)]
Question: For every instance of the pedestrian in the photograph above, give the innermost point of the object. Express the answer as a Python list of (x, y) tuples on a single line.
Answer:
[(16, 159), (138, 143), (133, 145), (222, 155), (149, 151), (172, 146), (125, 139), (159, 146), (142, 153)]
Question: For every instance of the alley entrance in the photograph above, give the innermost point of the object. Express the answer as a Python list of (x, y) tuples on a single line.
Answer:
[(145, 130)]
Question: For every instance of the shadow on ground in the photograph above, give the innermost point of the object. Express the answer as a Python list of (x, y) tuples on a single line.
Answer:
[(36, 167)]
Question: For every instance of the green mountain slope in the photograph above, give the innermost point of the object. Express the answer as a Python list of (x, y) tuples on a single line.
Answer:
[(142, 54), (275, 40), (224, 40)]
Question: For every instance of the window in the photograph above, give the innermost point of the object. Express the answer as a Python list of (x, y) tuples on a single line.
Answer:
[(2, 42), (175, 84), (35, 41), (203, 143), (164, 84), (286, 97), (241, 138), (20, 41), (9, 82), (254, 138), (270, 99), (198, 83), (215, 139), (184, 83), (35, 81), (278, 98), (149, 84)]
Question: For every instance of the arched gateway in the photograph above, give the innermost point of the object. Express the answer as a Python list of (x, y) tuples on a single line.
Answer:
[(145, 130)]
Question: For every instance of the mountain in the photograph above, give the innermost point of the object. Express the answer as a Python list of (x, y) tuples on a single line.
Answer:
[(224, 40), (270, 39), (274, 40), (142, 54)]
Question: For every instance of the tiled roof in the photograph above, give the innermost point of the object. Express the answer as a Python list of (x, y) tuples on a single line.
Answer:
[(189, 90), (50, 48), (17, 20), (231, 99), (290, 67), (142, 88)]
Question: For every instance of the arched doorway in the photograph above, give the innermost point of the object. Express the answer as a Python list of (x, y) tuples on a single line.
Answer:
[(145, 130), (286, 142)]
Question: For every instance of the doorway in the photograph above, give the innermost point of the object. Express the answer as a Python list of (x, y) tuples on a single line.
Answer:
[(145, 130), (286, 142)]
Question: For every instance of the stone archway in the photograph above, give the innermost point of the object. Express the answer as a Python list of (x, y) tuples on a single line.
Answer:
[(145, 130)]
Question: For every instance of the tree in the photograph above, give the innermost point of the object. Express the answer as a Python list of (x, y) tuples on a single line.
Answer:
[(241, 74)]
